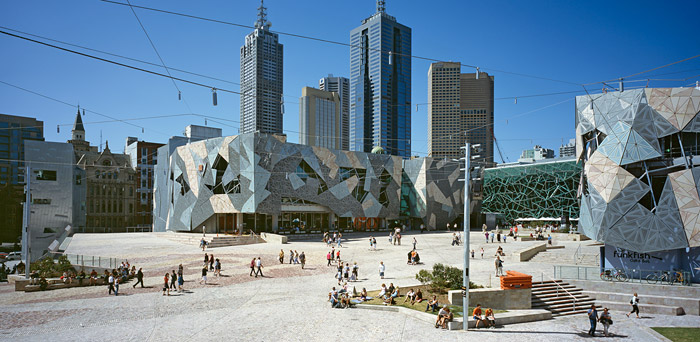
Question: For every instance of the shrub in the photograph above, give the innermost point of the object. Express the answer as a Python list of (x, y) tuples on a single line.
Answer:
[(443, 278), (46, 267)]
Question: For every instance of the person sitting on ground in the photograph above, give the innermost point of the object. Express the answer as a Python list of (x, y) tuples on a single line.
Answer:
[(410, 295), (499, 251), (81, 276), (344, 301), (490, 318), (133, 272), (417, 298), (383, 291), (408, 262), (477, 316), (363, 295), (390, 289), (432, 304), (390, 300), (413, 257), (66, 278), (333, 298)]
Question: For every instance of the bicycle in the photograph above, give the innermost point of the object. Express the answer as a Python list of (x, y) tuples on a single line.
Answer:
[(665, 277), (610, 275)]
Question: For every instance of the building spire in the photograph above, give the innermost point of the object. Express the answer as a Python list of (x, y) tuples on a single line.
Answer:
[(381, 6), (262, 17), (78, 124)]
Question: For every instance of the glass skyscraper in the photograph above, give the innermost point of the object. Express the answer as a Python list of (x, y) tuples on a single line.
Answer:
[(261, 79), (14, 131), (380, 85)]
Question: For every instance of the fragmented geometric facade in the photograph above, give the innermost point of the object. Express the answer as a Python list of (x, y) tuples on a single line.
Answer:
[(545, 189), (262, 174), (640, 188)]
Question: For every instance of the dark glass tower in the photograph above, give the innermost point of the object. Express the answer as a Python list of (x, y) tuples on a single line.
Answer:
[(380, 85), (261, 79)]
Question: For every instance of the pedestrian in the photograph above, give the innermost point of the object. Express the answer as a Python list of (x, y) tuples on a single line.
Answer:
[(296, 257), (374, 243), (549, 239), (211, 262), (482, 252), (414, 243), (472, 254), (635, 305), (382, 268), (492, 236), (606, 319), (252, 267), (448, 227), (217, 268), (173, 280), (302, 259), (370, 243), (165, 284), (339, 273), (346, 272), (355, 270), (504, 238), (291, 256), (454, 239), (204, 231), (139, 278), (422, 228), (258, 264), (486, 234), (206, 258), (592, 318), (337, 255), (116, 286), (391, 238), (204, 275), (340, 237), (332, 253), (202, 244), (498, 237), (455, 226), (179, 269), (281, 256), (328, 257), (180, 282), (499, 266), (110, 283)]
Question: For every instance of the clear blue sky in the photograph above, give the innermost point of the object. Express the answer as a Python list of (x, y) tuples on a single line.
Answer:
[(576, 42)]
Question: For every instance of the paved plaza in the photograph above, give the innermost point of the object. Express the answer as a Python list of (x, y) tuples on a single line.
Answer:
[(288, 304)]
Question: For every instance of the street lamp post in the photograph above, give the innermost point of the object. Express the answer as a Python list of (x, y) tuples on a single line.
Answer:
[(25, 224)]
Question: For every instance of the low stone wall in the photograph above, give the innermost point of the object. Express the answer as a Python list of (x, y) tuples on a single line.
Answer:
[(526, 254), (274, 238), (515, 299)]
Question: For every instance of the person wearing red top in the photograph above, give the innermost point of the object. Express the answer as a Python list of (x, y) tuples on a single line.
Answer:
[(165, 284), (477, 315)]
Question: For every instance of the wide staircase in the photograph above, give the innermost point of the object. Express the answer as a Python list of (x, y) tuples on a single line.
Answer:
[(213, 241), (560, 298), (561, 256)]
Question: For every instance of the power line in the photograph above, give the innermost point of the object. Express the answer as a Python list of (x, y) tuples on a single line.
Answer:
[(333, 42)]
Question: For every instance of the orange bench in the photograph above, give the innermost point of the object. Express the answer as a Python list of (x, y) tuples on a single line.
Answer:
[(516, 280)]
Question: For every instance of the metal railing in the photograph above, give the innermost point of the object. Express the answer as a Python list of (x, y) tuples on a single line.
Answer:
[(663, 277), (79, 260), (560, 287)]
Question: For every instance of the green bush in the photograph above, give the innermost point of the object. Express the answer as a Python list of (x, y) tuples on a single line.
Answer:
[(443, 278), (46, 267)]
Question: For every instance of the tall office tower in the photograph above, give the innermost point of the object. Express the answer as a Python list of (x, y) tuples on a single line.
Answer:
[(380, 85), (261, 79), (320, 118), (340, 85), (568, 150), (460, 111)]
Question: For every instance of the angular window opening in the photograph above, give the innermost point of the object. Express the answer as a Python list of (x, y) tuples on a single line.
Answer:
[(184, 187)]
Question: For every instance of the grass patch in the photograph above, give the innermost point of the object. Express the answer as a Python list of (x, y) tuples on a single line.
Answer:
[(442, 300), (680, 334)]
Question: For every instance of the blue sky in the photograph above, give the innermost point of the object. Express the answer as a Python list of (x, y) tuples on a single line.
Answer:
[(575, 42)]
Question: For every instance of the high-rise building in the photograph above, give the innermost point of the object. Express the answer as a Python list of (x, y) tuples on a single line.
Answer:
[(340, 85), (568, 150), (380, 85), (143, 157), (536, 153), (14, 131), (460, 111), (320, 118), (261, 79)]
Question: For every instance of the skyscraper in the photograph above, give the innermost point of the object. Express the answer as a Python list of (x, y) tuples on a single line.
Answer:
[(319, 118), (460, 110), (340, 85), (14, 131), (261, 79), (380, 85)]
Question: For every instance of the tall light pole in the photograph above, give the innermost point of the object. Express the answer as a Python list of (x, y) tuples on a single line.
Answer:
[(467, 213), (25, 221)]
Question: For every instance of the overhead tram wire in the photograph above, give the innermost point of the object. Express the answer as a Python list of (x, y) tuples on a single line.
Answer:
[(153, 45)]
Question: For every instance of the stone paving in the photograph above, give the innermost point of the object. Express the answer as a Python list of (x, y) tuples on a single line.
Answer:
[(289, 304)]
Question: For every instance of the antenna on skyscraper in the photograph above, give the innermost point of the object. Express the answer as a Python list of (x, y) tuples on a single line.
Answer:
[(381, 6), (262, 16)]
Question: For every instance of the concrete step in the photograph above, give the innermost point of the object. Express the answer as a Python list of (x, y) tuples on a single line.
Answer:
[(691, 307), (579, 303), (553, 287), (644, 308), (557, 300), (573, 291)]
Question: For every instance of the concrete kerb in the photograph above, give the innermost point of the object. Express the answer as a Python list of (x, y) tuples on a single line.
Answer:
[(274, 238), (526, 254), (510, 317)]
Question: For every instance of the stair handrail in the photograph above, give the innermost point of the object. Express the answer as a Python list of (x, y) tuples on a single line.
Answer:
[(559, 286), (577, 254)]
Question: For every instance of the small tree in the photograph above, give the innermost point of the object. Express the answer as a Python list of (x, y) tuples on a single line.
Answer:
[(443, 278)]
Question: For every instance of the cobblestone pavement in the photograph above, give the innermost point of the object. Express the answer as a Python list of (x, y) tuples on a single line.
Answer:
[(289, 304)]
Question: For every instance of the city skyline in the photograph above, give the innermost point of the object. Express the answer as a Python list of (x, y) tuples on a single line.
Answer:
[(211, 49)]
